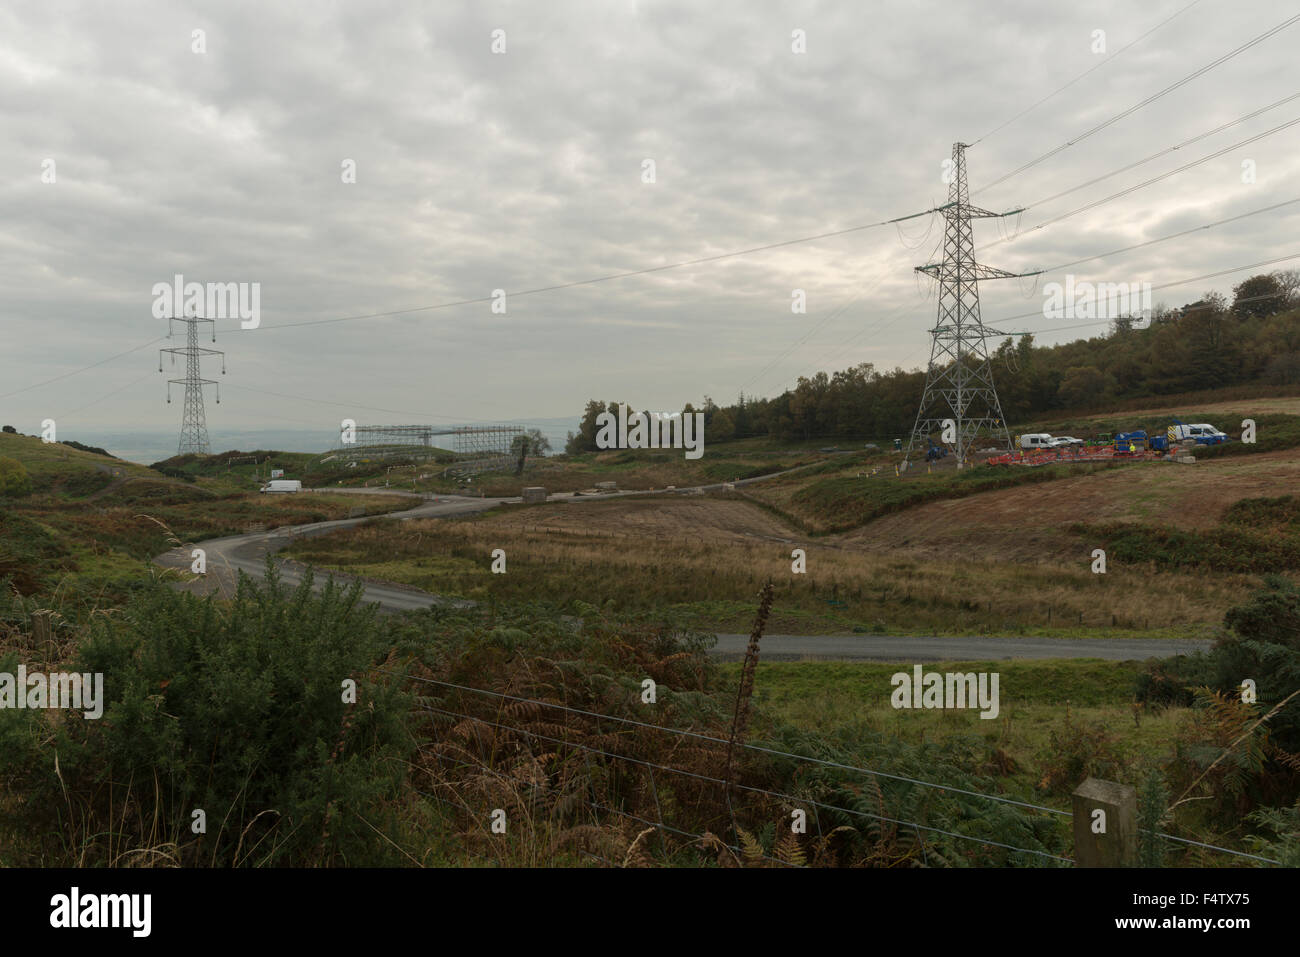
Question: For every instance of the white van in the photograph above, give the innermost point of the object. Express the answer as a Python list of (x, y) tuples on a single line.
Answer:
[(1035, 440), (1202, 432), (283, 485)]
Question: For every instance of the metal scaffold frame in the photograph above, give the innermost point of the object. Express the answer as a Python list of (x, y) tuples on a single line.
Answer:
[(480, 448)]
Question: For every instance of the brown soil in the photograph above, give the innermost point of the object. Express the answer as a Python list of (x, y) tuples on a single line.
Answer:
[(1027, 523), (1020, 523)]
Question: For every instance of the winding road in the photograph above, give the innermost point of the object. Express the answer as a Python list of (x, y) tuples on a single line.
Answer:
[(247, 553)]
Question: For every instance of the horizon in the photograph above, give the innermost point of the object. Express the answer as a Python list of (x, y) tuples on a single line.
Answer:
[(640, 195)]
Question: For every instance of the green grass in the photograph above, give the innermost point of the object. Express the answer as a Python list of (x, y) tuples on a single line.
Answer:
[(1255, 536), (79, 531), (55, 467), (833, 699), (846, 502)]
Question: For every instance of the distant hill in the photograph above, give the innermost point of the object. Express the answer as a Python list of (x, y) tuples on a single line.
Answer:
[(158, 445)]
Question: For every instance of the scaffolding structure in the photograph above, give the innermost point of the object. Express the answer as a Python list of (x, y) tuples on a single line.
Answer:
[(384, 435), (486, 448), (480, 448)]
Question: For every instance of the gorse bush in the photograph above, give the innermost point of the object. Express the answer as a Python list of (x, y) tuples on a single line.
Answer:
[(14, 480), (236, 712), (1257, 535), (1257, 762), (1227, 548)]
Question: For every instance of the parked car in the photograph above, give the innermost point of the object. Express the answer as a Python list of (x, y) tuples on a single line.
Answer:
[(1065, 440)]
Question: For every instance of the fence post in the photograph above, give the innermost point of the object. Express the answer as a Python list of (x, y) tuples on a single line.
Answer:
[(1105, 824), (43, 634)]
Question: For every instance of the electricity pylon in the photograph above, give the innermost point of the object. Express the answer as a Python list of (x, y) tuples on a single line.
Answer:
[(194, 426), (959, 399)]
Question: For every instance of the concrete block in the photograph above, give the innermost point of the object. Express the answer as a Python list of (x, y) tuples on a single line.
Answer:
[(1105, 824)]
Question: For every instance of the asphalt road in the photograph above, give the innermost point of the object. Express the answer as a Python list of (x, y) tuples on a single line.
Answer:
[(247, 553), (946, 648), (228, 556)]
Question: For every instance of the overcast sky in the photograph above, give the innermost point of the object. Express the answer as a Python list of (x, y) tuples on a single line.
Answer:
[(478, 170)]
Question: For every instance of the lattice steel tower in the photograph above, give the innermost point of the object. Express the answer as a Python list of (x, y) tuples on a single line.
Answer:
[(959, 380), (194, 426)]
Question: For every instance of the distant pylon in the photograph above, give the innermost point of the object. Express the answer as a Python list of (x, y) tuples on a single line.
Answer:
[(959, 379), (194, 426)]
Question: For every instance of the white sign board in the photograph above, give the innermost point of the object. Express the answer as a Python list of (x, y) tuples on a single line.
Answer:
[(277, 473)]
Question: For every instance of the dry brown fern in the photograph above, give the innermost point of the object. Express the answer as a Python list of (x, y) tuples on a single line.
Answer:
[(636, 854)]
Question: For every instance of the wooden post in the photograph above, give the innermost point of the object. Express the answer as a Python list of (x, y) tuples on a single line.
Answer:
[(43, 634), (1105, 824)]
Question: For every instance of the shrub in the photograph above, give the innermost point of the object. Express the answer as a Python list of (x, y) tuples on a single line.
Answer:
[(1079, 749), (28, 552), (1262, 643), (239, 714), (14, 480)]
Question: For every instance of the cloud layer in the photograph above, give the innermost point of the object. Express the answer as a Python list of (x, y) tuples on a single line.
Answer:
[(477, 171)]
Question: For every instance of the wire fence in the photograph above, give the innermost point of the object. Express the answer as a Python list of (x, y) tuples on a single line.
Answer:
[(561, 736)]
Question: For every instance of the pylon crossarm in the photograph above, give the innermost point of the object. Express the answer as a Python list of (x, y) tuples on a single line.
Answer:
[(967, 272), (967, 211)]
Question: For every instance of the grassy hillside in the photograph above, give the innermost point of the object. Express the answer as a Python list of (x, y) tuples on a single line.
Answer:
[(92, 522)]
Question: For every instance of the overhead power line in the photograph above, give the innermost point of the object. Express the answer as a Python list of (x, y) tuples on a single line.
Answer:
[(1170, 149), (1145, 183), (889, 320), (1087, 72), (832, 314), (525, 292), (898, 314), (106, 396), (1165, 239), (93, 365), (1143, 103), (612, 276), (1166, 285)]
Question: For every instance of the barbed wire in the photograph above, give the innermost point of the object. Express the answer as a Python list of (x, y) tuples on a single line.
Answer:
[(770, 793), (795, 799), (753, 747)]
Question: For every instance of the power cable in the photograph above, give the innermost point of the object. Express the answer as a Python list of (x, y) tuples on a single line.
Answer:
[(1143, 103), (608, 278), (1155, 179), (1170, 149), (1086, 72)]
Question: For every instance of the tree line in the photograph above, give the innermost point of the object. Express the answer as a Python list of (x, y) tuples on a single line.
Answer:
[(1208, 344)]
